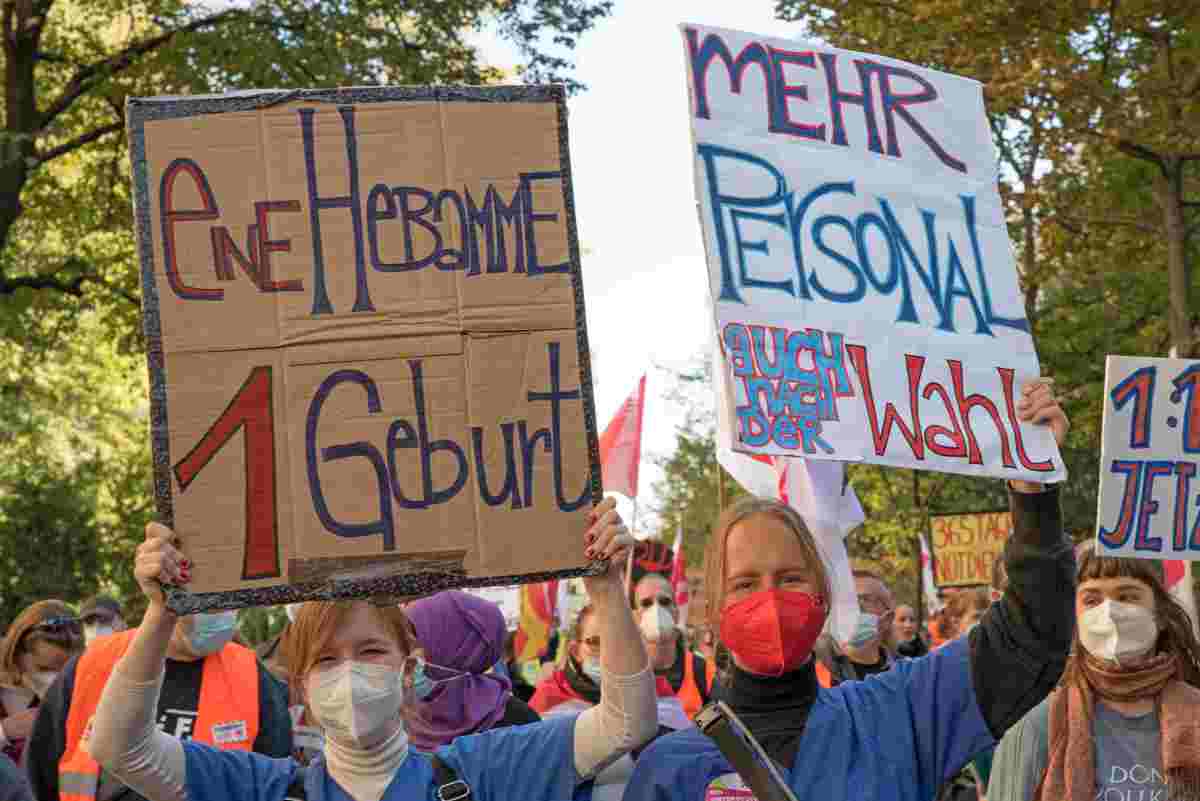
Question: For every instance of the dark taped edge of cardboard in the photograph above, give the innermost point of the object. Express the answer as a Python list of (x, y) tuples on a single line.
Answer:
[(581, 335), (412, 585), (151, 316), (143, 109), (308, 571)]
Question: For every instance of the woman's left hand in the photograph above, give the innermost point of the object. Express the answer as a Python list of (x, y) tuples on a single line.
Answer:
[(608, 538)]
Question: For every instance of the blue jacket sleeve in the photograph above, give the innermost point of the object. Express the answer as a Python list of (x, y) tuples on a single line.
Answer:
[(923, 711), (216, 775), (536, 762)]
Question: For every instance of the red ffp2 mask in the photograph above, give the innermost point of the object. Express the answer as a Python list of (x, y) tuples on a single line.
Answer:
[(773, 632)]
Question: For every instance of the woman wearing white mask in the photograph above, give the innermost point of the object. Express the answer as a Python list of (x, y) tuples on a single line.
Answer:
[(689, 674), (357, 665), (37, 645), (575, 687), (214, 691), (1125, 723)]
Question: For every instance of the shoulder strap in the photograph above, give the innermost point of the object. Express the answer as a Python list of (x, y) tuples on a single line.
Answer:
[(449, 786), (700, 676), (296, 791)]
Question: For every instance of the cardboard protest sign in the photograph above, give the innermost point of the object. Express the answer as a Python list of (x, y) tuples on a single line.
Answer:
[(365, 326), (863, 283), (1148, 459), (965, 546)]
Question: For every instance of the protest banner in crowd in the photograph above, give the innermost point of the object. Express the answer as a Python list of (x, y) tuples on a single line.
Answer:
[(965, 546), (366, 339), (863, 282), (1148, 458)]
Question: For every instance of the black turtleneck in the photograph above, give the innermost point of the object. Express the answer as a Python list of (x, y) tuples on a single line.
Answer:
[(774, 709), (580, 682)]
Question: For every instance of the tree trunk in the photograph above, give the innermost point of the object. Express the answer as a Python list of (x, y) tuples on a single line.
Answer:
[(1169, 189), (21, 36)]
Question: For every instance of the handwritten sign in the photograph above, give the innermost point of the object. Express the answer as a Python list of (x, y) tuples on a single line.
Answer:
[(366, 340), (1148, 459), (866, 297), (965, 546)]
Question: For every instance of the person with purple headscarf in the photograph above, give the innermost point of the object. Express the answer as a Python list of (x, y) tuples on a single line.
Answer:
[(463, 634)]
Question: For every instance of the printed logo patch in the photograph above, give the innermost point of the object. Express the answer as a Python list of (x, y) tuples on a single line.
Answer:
[(226, 733), (729, 787)]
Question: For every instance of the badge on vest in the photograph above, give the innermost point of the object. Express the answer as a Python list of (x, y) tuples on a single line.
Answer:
[(729, 787), (233, 732)]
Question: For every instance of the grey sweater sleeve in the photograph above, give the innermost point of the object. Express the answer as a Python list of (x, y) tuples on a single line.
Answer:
[(1021, 757)]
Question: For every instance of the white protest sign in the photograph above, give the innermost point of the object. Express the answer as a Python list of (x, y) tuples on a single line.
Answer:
[(863, 282), (1148, 459)]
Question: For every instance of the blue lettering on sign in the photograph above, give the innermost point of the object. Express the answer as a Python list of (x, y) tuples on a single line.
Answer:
[(520, 450), (942, 276), (792, 381)]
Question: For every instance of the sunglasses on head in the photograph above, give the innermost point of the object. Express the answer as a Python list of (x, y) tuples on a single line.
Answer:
[(57, 625)]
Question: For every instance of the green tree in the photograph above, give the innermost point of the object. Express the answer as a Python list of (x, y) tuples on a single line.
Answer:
[(1068, 85), (74, 466), (69, 66), (693, 484), (259, 624)]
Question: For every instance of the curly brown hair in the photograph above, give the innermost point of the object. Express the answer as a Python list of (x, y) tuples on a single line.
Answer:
[(1176, 635)]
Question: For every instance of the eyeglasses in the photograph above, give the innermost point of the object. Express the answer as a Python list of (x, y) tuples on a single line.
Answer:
[(662, 600)]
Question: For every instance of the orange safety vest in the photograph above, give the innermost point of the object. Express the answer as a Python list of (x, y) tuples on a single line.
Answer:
[(227, 718), (689, 694), (824, 677)]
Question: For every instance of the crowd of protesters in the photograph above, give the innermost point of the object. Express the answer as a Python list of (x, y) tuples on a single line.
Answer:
[(1067, 678)]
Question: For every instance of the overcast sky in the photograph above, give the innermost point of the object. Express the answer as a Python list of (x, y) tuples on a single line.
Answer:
[(643, 265)]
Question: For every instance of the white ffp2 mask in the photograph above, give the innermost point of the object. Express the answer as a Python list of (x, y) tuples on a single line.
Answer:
[(657, 624), (357, 703), (1116, 631)]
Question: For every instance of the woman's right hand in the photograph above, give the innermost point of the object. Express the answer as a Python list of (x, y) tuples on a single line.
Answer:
[(159, 562)]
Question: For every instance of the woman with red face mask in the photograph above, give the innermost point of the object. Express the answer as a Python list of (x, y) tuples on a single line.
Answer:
[(899, 734)]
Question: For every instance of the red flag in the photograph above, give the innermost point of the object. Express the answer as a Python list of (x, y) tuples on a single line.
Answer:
[(621, 445), (679, 581), (1177, 578)]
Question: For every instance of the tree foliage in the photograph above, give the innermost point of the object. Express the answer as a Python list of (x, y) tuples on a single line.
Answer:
[(74, 467), (74, 451), (70, 65)]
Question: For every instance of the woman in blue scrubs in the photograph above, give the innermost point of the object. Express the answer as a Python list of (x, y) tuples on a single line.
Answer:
[(360, 673), (898, 735)]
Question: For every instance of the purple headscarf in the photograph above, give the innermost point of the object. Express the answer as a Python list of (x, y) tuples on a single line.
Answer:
[(466, 633)]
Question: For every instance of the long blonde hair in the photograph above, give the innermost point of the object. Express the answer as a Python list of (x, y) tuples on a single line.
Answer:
[(714, 554)]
